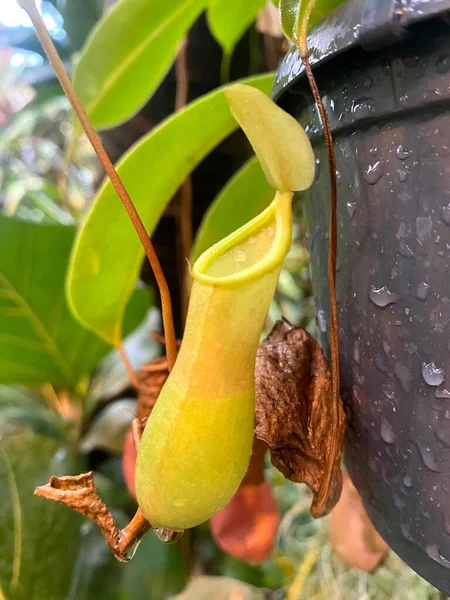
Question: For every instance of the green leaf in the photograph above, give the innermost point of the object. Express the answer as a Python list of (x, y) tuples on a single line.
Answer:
[(39, 540), (39, 339), (127, 55), (292, 11), (244, 196), (107, 253), (229, 19), (19, 409)]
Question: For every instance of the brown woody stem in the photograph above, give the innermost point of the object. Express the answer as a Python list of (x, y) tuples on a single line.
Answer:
[(53, 56), (332, 240)]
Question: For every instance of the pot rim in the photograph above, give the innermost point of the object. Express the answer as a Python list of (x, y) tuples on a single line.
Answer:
[(371, 24)]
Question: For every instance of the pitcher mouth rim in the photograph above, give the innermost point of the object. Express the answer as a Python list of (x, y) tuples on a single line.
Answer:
[(280, 208)]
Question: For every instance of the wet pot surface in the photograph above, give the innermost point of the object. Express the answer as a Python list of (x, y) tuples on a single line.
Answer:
[(390, 113)]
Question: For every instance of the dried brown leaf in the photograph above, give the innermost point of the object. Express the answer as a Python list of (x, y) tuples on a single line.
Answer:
[(295, 413), (353, 537), (79, 493)]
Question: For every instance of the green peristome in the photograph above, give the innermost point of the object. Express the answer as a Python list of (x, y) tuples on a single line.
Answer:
[(197, 444)]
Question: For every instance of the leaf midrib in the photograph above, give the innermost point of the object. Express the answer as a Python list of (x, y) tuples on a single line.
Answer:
[(39, 328), (115, 75)]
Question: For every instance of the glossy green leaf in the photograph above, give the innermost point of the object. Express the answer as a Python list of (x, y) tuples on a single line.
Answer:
[(107, 254), (244, 196), (127, 55), (291, 14), (39, 339), (39, 540), (229, 19)]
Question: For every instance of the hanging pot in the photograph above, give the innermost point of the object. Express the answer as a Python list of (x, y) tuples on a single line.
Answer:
[(383, 68)]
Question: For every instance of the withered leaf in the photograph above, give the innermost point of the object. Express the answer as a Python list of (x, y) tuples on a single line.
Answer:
[(295, 415), (353, 537), (246, 527)]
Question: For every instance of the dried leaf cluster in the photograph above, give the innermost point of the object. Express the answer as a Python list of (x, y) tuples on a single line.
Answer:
[(295, 413)]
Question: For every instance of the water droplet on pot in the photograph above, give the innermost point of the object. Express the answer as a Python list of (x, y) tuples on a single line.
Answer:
[(432, 374), (386, 432), (356, 353), (382, 297), (403, 153), (388, 391), (367, 84), (351, 208), (423, 227), (374, 172), (404, 376), (402, 175), (434, 553), (445, 214), (407, 480), (443, 434), (428, 458), (422, 290), (442, 393), (322, 320), (443, 64)]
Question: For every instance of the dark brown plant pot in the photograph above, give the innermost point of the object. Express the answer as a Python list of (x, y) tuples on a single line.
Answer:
[(383, 69)]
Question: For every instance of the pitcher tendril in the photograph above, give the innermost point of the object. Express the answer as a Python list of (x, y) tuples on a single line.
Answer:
[(53, 56)]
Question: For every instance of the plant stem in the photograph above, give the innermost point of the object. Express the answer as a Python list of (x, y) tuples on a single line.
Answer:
[(53, 56), (332, 240)]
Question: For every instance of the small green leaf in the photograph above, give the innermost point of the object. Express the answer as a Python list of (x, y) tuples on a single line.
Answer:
[(229, 19), (281, 145), (39, 339), (127, 55), (292, 11), (107, 254), (39, 540), (244, 196)]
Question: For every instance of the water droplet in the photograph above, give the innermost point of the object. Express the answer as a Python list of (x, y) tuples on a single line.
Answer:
[(422, 290), (168, 536), (382, 297), (404, 376), (443, 64), (402, 175), (239, 255), (388, 391), (403, 153), (373, 152), (379, 363), (386, 432), (367, 84), (407, 480), (374, 172), (445, 214), (434, 553), (410, 61), (442, 393), (351, 208), (432, 374), (356, 353), (322, 320), (443, 435), (428, 458), (423, 227)]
